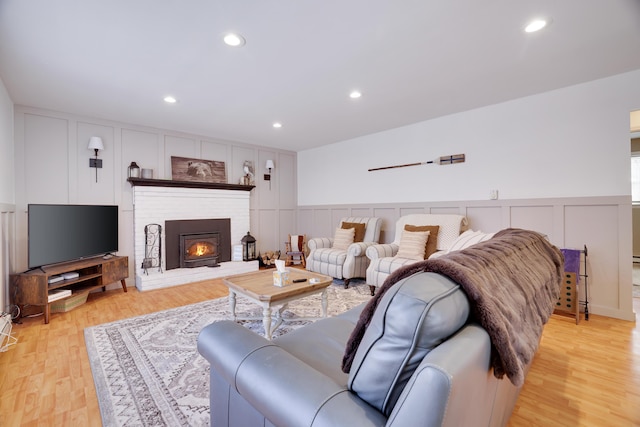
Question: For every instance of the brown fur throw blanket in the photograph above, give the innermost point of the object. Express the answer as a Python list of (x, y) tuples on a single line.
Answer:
[(512, 282)]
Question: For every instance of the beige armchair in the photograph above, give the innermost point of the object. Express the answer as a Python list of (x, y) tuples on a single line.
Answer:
[(343, 259), (384, 258)]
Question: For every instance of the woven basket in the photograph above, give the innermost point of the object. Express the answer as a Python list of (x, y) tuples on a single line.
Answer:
[(64, 305)]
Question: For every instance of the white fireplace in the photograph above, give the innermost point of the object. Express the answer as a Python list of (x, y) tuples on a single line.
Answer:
[(157, 204)]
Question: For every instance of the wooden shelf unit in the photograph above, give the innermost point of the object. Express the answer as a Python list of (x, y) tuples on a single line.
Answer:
[(32, 287), (569, 301)]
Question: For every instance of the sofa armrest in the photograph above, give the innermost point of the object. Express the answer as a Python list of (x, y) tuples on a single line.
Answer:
[(458, 378), (280, 386), (382, 250), (213, 345), (359, 248), (319, 242)]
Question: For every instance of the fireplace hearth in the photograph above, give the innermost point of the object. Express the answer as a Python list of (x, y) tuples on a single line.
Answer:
[(199, 250)]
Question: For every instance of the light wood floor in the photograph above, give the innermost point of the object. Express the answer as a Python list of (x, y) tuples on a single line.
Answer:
[(585, 375)]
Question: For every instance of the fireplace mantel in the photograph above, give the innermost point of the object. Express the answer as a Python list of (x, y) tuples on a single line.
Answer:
[(187, 184)]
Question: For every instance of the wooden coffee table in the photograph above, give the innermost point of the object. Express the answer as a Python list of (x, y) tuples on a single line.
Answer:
[(258, 287)]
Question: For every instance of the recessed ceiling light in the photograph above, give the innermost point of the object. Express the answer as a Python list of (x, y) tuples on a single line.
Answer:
[(170, 100), (355, 94), (234, 40), (277, 125), (535, 25)]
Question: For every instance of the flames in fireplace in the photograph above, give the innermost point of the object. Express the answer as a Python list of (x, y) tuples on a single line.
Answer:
[(199, 249)]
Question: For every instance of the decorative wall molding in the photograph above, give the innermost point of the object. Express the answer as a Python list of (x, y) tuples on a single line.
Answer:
[(7, 250), (602, 223)]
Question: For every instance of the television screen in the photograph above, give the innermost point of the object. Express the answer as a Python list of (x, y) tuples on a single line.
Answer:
[(59, 233)]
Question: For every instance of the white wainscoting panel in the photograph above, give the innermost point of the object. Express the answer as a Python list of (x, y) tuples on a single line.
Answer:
[(7, 246), (604, 224)]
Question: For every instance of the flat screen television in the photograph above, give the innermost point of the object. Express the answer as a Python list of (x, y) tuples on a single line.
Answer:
[(59, 233)]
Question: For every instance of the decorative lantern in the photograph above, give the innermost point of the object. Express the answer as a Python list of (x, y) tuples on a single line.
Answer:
[(248, 247), (133, 171)]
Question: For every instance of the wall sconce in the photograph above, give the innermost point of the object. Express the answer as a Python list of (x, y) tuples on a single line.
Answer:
[(95, 143), (269, 166)]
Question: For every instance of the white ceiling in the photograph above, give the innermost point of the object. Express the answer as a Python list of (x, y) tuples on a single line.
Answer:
[(413, 60)]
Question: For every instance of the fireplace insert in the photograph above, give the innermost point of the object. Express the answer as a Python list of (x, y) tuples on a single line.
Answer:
[(199, 250), (174, 248)]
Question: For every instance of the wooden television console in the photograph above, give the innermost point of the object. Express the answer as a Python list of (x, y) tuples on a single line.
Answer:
[(32, 287)]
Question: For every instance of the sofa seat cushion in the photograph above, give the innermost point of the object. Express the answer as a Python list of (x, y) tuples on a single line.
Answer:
[(413, 317), (328, 261), (321, 344), (390, 264), (381, 268), (330, 255)]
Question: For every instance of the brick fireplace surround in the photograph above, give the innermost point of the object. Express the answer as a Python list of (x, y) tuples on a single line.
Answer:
[(155, 204)]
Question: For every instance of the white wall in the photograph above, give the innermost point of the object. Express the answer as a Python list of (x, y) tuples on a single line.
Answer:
[(569, 142), (559, 160), (7, 195), (52, 166), (6, 147)]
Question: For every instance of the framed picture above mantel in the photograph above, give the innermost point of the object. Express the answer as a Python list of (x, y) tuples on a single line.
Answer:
[(199, 170)]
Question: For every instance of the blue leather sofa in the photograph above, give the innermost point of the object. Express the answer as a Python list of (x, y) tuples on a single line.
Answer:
[(421, 362)]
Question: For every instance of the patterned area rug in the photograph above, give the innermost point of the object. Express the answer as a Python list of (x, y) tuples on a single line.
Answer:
[(148, 372)]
